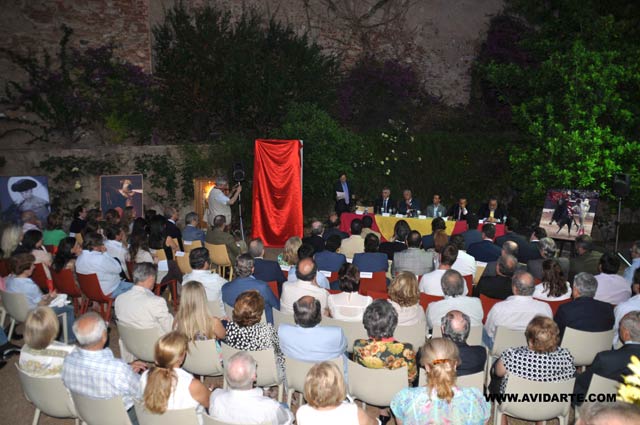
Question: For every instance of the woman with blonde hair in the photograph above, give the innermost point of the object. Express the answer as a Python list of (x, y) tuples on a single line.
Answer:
[(11, 238), (289, 256), (325, 393), (441, 401), (404, 296), (193, 318), (167, 386)]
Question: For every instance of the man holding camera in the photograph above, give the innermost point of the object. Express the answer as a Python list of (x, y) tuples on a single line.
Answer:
[(221, 199)]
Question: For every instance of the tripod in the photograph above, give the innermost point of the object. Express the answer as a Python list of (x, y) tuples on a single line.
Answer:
[(240, 214)]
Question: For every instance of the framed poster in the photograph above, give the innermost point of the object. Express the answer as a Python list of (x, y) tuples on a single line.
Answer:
[(24, 193), (119, 192), (568, 213)]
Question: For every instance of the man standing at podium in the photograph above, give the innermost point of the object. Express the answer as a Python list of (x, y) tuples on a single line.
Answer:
[(344, 195)]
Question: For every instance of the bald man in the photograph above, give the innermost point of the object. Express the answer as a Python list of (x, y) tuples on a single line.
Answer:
[(306, 271), (456, 326)]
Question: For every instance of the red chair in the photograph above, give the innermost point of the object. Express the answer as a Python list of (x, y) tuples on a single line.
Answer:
[(378, 295), (173, 286), (51, 249), (90, 287), (487, 303), (469, 280), (378, 282), (426, 299), (130, 265), (334, 291), (273, 284), (64, 283), (333, 277), (5, 270), (39, 276), (556, 304)]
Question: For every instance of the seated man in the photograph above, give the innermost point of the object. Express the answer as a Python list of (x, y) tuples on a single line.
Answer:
[(172, 230), (612, 288), (384, 204), (328, 259), (371, 261), (635, 262), (632, 304), (245, 281), (456, 326), (413, 259), (94, 259), (437, 223), (306, 251), (508, 248), (498, 286), (587, 259), (264, 270), (397, 243), (92, 371), (516, 311), (546, 249), (116, 248), (315, 239), (231, 405), (485, 250), (191, 232), (460, 210), (140, 307), (601, 413), (30, 221), (367, 224), (613, 364), (307, 341), (408, 205), (218, 236), (584, 313), (306, 272), (453, 287), (472, 235), (431, 283), (333, 228), (200, 263), (436, 209), (492, 212), (353, 244), (526, 250), (465, 263)]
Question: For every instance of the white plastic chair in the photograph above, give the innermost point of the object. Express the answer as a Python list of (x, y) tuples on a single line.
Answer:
[(375, 386), (352, 330), (584, 346), (475, 380), (48, 395), (267, 369), (18, 308), (600, 385), (280, 318), (169, 417), (100, 411), (139, 342), (296, 372), (415, 335), (208, 420), (538, 410), (215, 310), (507, 338), (203, 359)]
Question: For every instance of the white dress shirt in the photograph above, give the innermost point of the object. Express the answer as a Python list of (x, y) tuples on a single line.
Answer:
[(348, 306), (247, 406), (103, 265), (515, 313), (470, 306), (293, 291), (465, 264), (612, 288), (218, 205), (211, 281), (119, 252), (431, 284), (632, 304), (541, 294), (321, 279)]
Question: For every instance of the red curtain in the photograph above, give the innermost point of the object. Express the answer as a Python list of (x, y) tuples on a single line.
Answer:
[(277, 191)]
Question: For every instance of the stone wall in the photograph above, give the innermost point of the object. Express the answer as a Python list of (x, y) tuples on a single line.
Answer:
[(440, 37)]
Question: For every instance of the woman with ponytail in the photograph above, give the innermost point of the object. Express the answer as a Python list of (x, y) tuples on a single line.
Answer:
[(441, 401), (168, 387)]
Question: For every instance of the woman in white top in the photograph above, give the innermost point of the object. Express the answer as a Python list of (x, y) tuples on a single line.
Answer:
[(325, 393), (404, 296), (168, 387), (554, 286), (348, 305)]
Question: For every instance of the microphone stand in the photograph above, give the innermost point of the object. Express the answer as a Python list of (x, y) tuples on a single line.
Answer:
[(240, 214)]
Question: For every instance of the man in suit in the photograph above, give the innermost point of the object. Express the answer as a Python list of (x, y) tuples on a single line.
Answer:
[(408, 205), (586, 259), (436, 209), (397, 243), (472, 234), (437, 223), (244, 281), (384, 204), (308, 342), (172, 230), (264, 270), (456, 326), (485, 250), (547, 249), (508, 248), (371, 260), (413, 259), (217, 236), (328, 259), (191, 232), (613, 364), (500, 285), (332, 227), (623, 308), (492, 212), (367, 224), (537, 234), (344, 201), (353, 244), (315, 239), (526, 251), (460, 210), (585, 313)]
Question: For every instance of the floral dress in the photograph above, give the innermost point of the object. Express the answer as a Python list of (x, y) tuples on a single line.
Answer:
[(385, 353)]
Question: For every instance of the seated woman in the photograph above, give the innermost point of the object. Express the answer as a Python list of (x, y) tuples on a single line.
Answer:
[(19, 281), (193, 318), (441, 401), (68, 251), (348, 305), (11, 237), (440, 240), (289, 255), (404, 296), (53, 234), (158, 238), (32, 244), (554, 286), (371, 260), (139, 251), (325, 394), (246, 332), (41, 355), (166, 386), (541, 360)]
